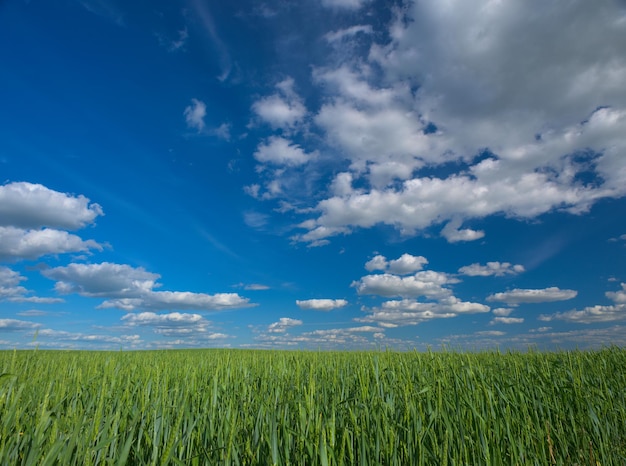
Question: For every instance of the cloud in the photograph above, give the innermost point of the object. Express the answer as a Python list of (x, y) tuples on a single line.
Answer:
[(454, 234), (506, 320), (345, 4), (281, 151), (182, 300), (471, 92), (321, 304), (180, 42), (12, 291), (589, 315), (252, 286), (618, 297), (62, 335), (409, 312), (194, 115), (405, 264), (130, 288), (340, 35), (171, 324), (102, 280), (283, 324), (497, 269), (16, 243), (425, 283), (283, 109), (33, 206), (521, 296), (593, 314), (14, 325), (10, 283)]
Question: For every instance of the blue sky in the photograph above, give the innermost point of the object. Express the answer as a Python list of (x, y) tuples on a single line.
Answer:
[(321, 174)]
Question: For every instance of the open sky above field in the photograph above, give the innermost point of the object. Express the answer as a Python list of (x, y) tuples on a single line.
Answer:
[(343, 174)]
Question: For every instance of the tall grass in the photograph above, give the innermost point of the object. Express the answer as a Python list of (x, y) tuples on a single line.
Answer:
[(198, 407)]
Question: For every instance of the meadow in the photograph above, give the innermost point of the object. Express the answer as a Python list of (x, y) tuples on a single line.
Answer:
[(197, 407)]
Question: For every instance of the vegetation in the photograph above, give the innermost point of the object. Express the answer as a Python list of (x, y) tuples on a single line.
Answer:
[(197, 407)]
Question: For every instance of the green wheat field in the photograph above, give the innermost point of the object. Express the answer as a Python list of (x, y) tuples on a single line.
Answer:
[(205, 407)]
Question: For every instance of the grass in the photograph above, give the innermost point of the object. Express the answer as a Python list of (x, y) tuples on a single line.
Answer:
[(197, 407)]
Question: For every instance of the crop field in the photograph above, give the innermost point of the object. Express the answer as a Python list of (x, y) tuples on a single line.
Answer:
[(197, 407)]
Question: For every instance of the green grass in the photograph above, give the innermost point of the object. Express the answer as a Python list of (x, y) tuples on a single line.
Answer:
[(201, 407)]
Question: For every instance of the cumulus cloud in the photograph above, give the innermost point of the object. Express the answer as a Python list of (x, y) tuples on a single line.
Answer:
[(284, 109), (10, 283), (130, 288), (618, 297), (13, 325), (590, 314), (321, 304), (506, 320), (283, 324), (194, 114), (597, 313), (410, 312), (454, 234), (281, 151), (171, 324), (516, 127), (102, 280), (497, 269), (521, 296), (405, 264), (33, 206), (425, 283), (16, 243)]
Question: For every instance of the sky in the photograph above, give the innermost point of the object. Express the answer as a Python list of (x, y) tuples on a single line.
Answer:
[(319, 174)]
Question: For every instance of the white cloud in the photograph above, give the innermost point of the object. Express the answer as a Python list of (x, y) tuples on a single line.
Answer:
[(502, 311), (506, 320), (591, 314), (102, 280), (283, 324), (10, 283), (32, 206), (321, 304), (618, 297), (182, 300), (405, 264), (497, 269), (340, 35), (194, 114), (62, 335), (545, 295), (410, 312), (345, 4), (453, 233), (283, 109), (173, 323), (16, 243), (378, 262), (281, 151), (13, 325), (459, 78), (130, 288), (598, 313), (425, 283)]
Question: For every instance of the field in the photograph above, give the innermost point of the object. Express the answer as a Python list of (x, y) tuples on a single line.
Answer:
[(197, 407)]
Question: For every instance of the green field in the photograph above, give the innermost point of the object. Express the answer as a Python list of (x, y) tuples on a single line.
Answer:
[(273, 407)]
